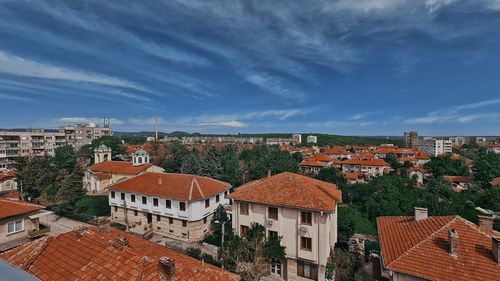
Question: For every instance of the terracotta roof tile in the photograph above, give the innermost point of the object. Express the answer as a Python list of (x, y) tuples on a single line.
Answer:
[(9, 207), (119, 167), (420, 248), (7, 175), (366, 162), (292, 190), (457, 179), (176, 186), (91, 254), (495, 182)]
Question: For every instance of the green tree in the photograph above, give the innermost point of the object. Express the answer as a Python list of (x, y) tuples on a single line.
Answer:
[(446, 166), (191, 165), (177, 153), (115, 143), (231, 171), (332, 175), (211, 164), (65, 158)]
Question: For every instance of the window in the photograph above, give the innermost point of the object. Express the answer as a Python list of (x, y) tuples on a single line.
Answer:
[(15, 226), (158, 218), (122, 196), (116, 209), (207, 203), (136, 213), (112, 194), (307, 270), (217, 198), (144, 200), (155, 202), (132, 197), (243, 208), (182, 206), (225, 194), (205, 220), (306, 243), (272, 213), (184, 223), (243, 230), (170, 221), (273, 234), (306, 218), (168, 204)]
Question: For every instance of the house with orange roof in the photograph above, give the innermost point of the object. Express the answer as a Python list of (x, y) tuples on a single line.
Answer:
[(20, 221), (460, 183), (178, 206), (301, 210), (8, 182), (447, 248), (495, 182), (105, 172), (99, 253), (371, 167), (495, 148)]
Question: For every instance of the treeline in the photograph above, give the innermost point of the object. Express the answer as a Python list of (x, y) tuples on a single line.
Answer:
[(226, 165)]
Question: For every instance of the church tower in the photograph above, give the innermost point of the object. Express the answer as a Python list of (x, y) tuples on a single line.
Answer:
[(140, 157), (101, 154)]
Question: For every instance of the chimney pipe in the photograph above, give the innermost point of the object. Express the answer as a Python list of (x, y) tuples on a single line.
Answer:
[(268, 173), (495, 248), (486, 222), (421, 213), (166, 266), (122, 240), (453, 240)]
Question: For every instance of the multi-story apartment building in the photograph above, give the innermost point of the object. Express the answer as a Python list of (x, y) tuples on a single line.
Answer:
[(312, 139), (27, 143), (301, 210), (179, 206), (410, 139), (84, 133), (296, 138), (435, 147)]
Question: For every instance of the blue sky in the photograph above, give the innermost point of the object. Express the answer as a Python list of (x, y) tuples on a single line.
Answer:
[(361, 67)]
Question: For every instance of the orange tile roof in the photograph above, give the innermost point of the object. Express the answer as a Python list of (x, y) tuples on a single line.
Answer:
[(458, 179), (495, 182), (176, 186), (291, 190), (420, 248), (93, 254), (9, 208), (366, 162), (321, 157), (102, 176), (353, 175), (310, 162), (119, 167), (7, 175)]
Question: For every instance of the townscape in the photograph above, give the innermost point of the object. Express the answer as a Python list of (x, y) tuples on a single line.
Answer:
[(240, 140), (94, 205)]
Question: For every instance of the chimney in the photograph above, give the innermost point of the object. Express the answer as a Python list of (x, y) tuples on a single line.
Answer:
[(268, 173), (160, 180), (122, 240), (421, 213), (495, 248), (166, 267), (453, 240), (486, 222)]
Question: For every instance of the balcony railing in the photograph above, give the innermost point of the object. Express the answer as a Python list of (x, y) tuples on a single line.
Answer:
[(41, 231)]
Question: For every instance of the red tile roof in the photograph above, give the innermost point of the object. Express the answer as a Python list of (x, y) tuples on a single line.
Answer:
[(9, 207), (458, 179), (7, 175), (102, 176), (176, 186), (366, 162), (291, 190), (495, 182), (93, 254), (420, 248), (119, 167), (310, 162)]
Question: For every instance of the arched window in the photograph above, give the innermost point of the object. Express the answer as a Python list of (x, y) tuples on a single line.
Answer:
[(139, 160), (105, 157)]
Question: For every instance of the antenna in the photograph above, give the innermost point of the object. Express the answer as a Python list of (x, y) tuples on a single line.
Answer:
[(156, 136)]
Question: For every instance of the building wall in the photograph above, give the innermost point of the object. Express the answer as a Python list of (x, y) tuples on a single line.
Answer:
[(323, 232), (28, 225), (396, 276), (8, 185)]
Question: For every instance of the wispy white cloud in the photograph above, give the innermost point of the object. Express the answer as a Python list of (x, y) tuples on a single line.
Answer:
[(96, 120), (233, 123), (15, 65)]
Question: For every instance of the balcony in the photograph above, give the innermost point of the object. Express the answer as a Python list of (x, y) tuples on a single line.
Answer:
[(40, 232)]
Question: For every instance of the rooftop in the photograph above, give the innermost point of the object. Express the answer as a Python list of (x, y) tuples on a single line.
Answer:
[(291, 190), (175, 186), (9, 207), (119, 167), (109, 254)]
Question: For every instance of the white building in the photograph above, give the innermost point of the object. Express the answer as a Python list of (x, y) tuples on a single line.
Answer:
[(435, 147), (312, 139), (179, 206), (297, 138), (301, 210)]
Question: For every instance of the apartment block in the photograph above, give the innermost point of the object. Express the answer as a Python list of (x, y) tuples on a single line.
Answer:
[(84, 133), (312, 139), (410, 139), (301, 210), (178, 206), (435, 147)]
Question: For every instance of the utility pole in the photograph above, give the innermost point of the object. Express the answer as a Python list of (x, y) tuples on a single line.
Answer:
[(156, 138)]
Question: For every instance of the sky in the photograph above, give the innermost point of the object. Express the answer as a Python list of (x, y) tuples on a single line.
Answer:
[(365, 67)]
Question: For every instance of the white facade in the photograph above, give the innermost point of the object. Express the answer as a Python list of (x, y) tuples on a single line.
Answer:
[(435, 147), (297, 138), (312, 139)]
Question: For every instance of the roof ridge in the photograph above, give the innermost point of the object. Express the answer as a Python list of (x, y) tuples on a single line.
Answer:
[(476, 227), (422, 241), (199, 188)]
